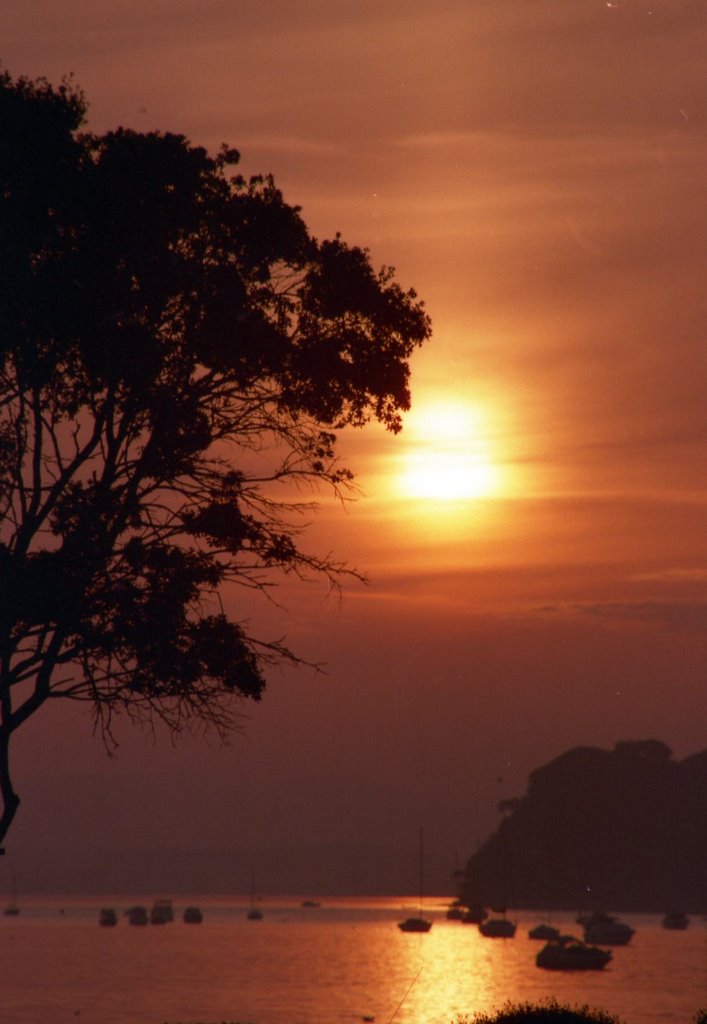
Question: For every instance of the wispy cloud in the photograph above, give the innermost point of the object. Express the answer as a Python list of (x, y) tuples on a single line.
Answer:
[(694, 574), (295, 145), (681, 616)]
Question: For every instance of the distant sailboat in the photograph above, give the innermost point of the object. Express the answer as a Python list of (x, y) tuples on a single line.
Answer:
[(255, 913), (474, 914), (162, 912), (544, 931), (497, 928), (137, 916), (419, 923), (500, 927), (676, 920), (455, 911), (12, 909), (107, 917)]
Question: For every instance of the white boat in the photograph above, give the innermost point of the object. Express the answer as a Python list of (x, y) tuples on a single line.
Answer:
[(418, 923), (570, 954)]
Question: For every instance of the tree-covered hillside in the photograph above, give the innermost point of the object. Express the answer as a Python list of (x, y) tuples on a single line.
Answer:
[(624, 829)]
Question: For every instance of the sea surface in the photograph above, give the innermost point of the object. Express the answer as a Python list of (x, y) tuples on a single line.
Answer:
[(339, 963)]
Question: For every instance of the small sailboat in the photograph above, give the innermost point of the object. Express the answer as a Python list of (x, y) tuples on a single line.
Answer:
[(544, 931), (137, 916), (255, 913), (419, 923), (606, 930), (497, 928), (455, 911), (162, 912), (13, 908), (569, 954), (676, 920), (500, 927), (474, 914)]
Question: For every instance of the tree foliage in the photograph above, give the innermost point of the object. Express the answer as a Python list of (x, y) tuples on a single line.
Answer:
[(177, 357)]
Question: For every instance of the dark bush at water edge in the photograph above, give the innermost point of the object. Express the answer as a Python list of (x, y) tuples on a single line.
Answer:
[(550, 1012)]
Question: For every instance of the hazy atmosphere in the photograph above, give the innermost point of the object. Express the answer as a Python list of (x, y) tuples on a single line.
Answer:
[(534, 539)]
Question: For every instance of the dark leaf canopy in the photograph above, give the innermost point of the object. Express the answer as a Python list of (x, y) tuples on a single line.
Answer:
[(177, 355)]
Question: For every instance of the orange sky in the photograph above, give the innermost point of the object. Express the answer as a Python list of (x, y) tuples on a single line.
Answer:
[(537, 172)]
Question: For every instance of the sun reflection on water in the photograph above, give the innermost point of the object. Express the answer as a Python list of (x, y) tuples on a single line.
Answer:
[(462, 971)]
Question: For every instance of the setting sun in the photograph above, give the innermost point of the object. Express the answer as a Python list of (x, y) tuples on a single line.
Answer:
[(447, 457), (446, 476)]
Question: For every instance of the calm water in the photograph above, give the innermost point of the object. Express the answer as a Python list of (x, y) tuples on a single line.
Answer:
[(338, 963)]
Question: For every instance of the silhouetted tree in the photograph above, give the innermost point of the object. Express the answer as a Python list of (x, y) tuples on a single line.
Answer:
[(177, 354)]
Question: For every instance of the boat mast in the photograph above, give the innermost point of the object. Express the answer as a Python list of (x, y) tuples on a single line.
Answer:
[(421, 869)]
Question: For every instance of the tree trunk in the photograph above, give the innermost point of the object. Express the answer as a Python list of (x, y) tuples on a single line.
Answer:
[(10, 799)]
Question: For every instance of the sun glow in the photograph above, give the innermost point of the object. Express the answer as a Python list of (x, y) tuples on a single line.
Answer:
[(448, 477), (447, 457)]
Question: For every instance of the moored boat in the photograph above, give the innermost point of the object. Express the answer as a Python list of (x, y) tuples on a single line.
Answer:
[(608, 931), (162, 912), (455, 911), (497, 928), (475, 914), (192, 915), (254, 914), (107, 917), (585, 918), (418, 923), (676, 921), (137, 916), (544, 931), (569, 954), (414, 924), (13, 908)]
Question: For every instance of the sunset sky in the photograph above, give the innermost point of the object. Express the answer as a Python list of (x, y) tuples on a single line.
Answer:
[(535, 539)]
